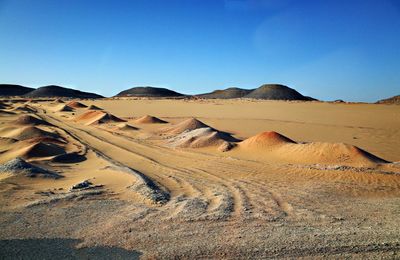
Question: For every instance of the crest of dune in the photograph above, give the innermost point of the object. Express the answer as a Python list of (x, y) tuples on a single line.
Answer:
[(97, 117), (265, 140), (76, 104), (29, 120), (147, 119), (186, 125)]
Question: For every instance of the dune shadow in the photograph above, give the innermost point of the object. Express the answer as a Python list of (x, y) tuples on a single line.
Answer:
[(59, 249), (69, 158)]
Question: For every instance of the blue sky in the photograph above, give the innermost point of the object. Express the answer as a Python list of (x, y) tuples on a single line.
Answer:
[(326, 49)]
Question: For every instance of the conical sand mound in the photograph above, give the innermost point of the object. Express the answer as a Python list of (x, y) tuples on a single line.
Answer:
[(150, 120), (76, 104), (29, 120), (64, 108), (265, 139), (198, 138), (187, 125), (93, 107), (24, 108), (20, 166), (127, 127), (60, 101), (41, 149), (97, 117)]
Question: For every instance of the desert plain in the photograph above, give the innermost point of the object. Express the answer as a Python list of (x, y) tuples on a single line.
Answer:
[(194, 178)]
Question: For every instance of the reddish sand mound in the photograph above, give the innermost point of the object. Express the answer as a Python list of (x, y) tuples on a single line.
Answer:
[(29, 120), (150, 120), (93, 107), (97, 117), (76, 104), (187, 125), (265, 139)]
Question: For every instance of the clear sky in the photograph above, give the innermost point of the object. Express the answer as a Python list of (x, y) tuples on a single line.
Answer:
[(345, 49)]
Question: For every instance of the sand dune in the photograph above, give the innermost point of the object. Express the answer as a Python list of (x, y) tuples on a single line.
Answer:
[(29, 120), (24, 108), (93, 107), (64, 108), (147, 119), (27, 132), (97, 117), (186, 125), (76, 104), (276, 146), (127, 127), (265, 140), (58, 101)]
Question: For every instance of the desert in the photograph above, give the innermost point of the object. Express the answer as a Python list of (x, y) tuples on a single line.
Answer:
[(198, 178), (223, 129)]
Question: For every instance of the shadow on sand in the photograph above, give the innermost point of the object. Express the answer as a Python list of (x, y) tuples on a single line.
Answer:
[(59, 249)]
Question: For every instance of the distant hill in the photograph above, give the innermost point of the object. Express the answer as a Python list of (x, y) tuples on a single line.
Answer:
[(391, 100), (227, 93), (57, 91), (276, 92), (148, 92), (13, 90)]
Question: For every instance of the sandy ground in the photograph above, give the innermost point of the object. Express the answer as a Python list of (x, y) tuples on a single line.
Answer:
[(168, 202)]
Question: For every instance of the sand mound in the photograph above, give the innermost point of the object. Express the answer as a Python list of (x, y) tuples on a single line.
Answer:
[(76, 104), (24, 108), (150, 120), (330, 153), (265, 140), (201, 137), (64, 108), (69, 158), (29, 120), (93, 107), (274, 145), (148, 92), (97, 117), (187, 125), (40, 149), (58, 101), (19, 166), (27, 132), (127, 127)]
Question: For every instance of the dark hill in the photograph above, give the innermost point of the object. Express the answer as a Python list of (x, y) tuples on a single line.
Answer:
[(57, 91), (227, 93), (13, 90), (148, 92), (276, 92), (391, 100)]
